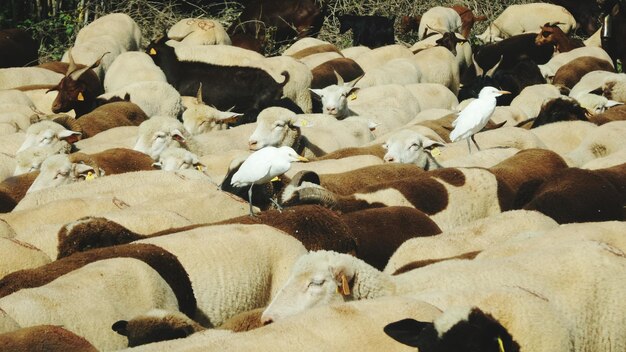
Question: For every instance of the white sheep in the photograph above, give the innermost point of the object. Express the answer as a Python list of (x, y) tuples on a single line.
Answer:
[(411, 147), (523, 268), (58, 170), (433, 96), (334, 327), (463, 48), (377, 57), (354, 51), (201, 118), (172, 159), (46, 133), (303, 43), (253, 275), (278, 126), (153, 97), (439, 19), (131, 67), (113, 33), (523, 18), (395, 71), (199, 31), (13, 77), (17, 255), (14, 96), (596, 104), (472, 237), (114, 289), (30, 159), (548, 70), (600, 142), (564, 136), (438, 65), (531, 98)]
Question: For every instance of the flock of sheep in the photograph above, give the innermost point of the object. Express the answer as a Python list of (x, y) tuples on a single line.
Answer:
[(124, 223)]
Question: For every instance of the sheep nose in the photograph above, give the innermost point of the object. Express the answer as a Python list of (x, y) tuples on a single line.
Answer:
[(389, 159), (266, 320), (252, 145), (331, 111)]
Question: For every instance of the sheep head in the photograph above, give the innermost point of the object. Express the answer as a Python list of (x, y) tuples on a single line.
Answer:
[(78, 89), (410, 147), (159, 133), (46, 133), (335, 97), (172, 159), (276, 127), (201, 118), (59, 170)]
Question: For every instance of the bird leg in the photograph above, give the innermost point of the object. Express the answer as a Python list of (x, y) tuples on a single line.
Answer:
[(275, 202), (250, 199), (473, 140), (469, 147)]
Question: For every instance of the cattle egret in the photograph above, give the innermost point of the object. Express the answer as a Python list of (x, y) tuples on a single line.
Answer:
[(475, 116), (262, 166)]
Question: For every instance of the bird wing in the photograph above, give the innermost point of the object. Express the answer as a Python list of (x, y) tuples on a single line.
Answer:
[(471, 119), (256, 167)]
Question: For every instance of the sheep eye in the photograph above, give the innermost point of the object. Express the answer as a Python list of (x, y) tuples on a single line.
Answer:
[(280, 125), (545, 34), (414, 146), (317, 282), (160, 135), (385, 146)]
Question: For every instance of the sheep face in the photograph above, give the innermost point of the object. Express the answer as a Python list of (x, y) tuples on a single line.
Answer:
[(159, 133), (276, 126), (335, 99), (200, 118), (47, 133), (31, 158), (173, 159), (458, 329), (409, 147), (59, 170), (317, 279)]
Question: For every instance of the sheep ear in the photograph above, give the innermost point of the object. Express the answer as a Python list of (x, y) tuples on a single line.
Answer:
[(69, 136), (84, 171), (612, 103), (228, 117), (429, 144), (178, 136), (407, 331), (157, 165), (120, 327)]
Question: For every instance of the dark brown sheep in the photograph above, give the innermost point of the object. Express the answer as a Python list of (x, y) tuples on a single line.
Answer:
[(49, 338), (156, 326), (78, 89), (18, 48), (13, 189), (576, 195), (527, 170), (378, 232), (556, 110), (375, 150), (115, 160), (165, 263), (324, 74), (316, 227), (553, 34), (570, 73), (104, 117)]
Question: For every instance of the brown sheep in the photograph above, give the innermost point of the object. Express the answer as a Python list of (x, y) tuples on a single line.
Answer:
[(324, 74), (104, 117), (553, 34), (13, 189), (50, 338), (375, 150), (527, 170), (616, 113), (578, 195), (570, 73)]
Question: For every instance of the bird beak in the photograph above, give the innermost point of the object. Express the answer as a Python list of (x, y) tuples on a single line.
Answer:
[(504, 92), (301, 158)]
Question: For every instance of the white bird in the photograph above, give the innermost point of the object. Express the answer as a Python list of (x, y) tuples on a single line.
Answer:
[(262, 166), (475, 116)]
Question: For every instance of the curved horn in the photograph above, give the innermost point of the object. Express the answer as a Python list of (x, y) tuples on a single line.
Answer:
[(315, 195), (339, 78), (305, 176), (199, 94)]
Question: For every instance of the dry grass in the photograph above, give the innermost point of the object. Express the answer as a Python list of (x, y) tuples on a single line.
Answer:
[(155, 17)]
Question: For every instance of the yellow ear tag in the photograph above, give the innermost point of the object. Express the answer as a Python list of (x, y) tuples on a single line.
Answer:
[(199, 167), (353, 96), (90, 176), (500, 345), (435, 152), (80, 96), (303, 122), (275, 179), (152, 51), (345, 288)]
